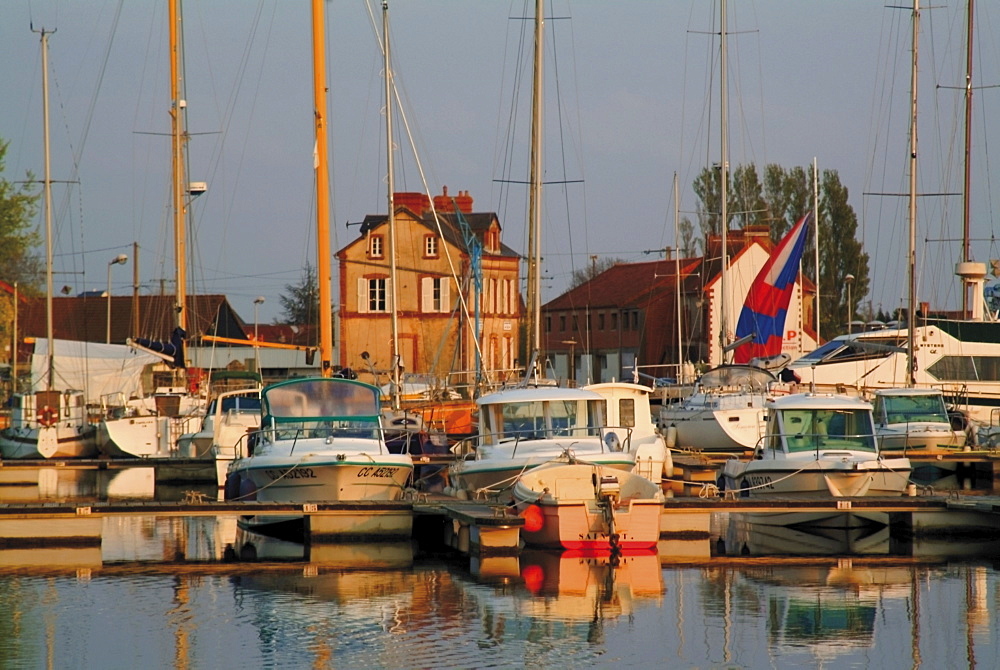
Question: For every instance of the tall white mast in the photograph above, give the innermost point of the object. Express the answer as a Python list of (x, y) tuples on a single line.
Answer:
[(49, 367), (534, 286), (724, 185), (390, 181), (816, 240), (677, 276)]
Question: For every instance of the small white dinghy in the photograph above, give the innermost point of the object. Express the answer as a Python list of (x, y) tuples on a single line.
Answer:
[(576, 505)]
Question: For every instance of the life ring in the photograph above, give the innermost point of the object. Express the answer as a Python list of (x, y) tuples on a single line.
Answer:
[(47, 415)]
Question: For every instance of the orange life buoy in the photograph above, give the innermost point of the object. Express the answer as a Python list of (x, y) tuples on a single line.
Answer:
[(48, 415)]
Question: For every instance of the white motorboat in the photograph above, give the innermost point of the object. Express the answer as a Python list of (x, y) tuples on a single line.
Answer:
[(571, 505), (320, 440), (908, 419), (628, 415), (726, 411), (523, 428), (230, 417), (817, 446)]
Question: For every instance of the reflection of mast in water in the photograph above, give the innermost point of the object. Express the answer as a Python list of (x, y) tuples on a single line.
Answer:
[(179, 616)]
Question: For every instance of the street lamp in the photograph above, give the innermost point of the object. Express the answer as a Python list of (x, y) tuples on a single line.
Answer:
[(259, 300), (850, 311), (120, 259)]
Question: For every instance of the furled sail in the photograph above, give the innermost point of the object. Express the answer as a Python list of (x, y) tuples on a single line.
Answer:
[(172, 352)]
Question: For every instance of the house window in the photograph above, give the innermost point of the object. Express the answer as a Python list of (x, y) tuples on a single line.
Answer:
[(373, 295), (614, 320), (435, 294), (635, 320), (600, 321), (562, 322), (376, 246), (430, 246), (548, 324)]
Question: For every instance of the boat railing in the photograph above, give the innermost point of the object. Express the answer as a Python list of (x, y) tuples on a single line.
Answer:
[(321, 429), (611, 438), (607, 437)]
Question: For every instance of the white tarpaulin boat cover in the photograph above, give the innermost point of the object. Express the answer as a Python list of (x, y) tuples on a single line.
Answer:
[(96, 369)]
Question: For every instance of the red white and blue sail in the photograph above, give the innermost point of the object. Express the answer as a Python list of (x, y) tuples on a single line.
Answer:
[(766, 305)]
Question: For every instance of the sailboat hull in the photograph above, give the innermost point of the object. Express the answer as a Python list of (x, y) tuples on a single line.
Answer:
[(49, 442)]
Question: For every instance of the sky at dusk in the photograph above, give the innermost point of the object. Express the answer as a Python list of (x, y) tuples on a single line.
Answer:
[(631, 98)]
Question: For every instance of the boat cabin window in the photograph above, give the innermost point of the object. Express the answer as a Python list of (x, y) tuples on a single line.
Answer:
[(240, 404), (841, 351), (316, 398), (626, 412), (966, 368), (827, 429), (910, 408), (539, 420)]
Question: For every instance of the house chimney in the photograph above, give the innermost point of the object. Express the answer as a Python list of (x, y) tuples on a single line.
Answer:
[(418, 203), (464, 202), (443, 202)]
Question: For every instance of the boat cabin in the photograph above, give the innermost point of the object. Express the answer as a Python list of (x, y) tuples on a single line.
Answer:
[(910, 406), (539, 414), (814, 423), (321, 406)]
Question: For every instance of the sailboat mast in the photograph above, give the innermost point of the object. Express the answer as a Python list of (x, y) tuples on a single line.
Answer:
[(50, 365), (911, 321), (677, 275), (323, 263), (177, 134), (535, 193), (390, 181), (966, 229), (724, 183)]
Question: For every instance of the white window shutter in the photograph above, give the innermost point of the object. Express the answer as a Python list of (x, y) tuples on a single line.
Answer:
[(362, 295), (445, 294), (426, 294)]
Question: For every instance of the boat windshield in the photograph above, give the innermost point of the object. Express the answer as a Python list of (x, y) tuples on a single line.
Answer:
[(841, 351), (544, 419), (911, 408), (328, 398), (239, 404), (827, 429)]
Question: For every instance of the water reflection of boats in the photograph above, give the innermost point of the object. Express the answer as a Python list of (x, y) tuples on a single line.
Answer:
[(28, 484), (825, 610), (589, 585), (166, 539), (744, 537), (49, 558), (250, 547)]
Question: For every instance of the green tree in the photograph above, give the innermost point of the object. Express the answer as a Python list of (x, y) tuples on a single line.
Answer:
[(18, 236), (300, 302), (783, 198), (840, 254)]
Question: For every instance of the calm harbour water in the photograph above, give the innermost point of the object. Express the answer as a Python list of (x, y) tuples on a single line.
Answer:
[(199, 593)]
